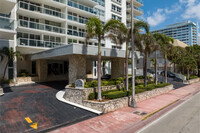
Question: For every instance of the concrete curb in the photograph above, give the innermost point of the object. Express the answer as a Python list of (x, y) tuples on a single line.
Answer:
[(60, 95), (1, 91)]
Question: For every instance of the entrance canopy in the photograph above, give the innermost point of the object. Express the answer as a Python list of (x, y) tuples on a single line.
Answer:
[(79, 49)]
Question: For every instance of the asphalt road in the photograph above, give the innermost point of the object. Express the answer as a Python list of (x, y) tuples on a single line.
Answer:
[(185, 118), (39, 103)]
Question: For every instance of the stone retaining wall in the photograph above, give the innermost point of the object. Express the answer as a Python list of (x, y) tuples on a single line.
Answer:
[(1, 91), (80, 96)]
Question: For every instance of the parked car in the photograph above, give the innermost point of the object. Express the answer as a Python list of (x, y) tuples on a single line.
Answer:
[(169, 74)]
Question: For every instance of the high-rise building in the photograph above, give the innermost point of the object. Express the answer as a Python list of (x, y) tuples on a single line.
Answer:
[(186, 32), (32, 26)]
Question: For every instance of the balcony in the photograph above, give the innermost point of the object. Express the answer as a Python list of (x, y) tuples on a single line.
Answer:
[(136, 18), (7, 6), (41, 12), (77, 19), (38, 43), (6, 27), (137, 10), (81, 7), (137, 3), (40, 26)]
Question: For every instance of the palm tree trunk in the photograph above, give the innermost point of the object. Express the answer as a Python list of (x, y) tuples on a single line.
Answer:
[(156, 82), (174, 68), (99, 71), (127, 66), (188, 74), (5, 70), (145, 70), (165, 68)]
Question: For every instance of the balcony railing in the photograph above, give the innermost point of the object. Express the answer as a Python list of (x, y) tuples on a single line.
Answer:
[(38, 43), (6, 23), (61, 1), (77, 19), (136, 8), (81, 7), (34, 8), (76, 33), (140, 1), (40, 26)]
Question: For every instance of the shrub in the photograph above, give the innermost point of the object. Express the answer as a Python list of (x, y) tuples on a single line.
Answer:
[(118, 82), (92, 96), (121, 79), (94, 83), (104, 83), (116, 94), (193, 77)]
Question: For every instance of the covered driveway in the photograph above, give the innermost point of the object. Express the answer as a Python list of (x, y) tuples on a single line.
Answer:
[(38, 102)]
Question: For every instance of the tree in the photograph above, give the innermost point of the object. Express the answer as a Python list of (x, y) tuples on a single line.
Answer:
[(189, 63), (95, 28), (175, 55), (10, 55), (123, 35), (148, 47), (165, 47)]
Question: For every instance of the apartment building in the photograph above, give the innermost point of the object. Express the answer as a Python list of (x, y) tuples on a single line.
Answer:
[(186, 32), (37, 28)]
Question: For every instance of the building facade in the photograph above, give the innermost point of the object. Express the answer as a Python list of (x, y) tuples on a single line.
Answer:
[(32, 26), (186, 32)]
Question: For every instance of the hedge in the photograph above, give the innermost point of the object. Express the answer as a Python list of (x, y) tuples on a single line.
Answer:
[(118, 93)]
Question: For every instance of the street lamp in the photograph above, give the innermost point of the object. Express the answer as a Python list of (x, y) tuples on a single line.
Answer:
[(133, 102)]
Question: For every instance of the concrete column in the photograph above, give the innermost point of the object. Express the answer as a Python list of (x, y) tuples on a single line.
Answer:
[(117, 67), (89, 67), (42, 69), (77, 67)]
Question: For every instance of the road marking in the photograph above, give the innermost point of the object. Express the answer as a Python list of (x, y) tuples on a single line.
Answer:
[(34, 125), (180, 105), (28, 120)]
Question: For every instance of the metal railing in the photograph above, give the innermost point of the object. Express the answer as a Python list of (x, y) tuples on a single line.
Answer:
[(76, 33), (61, 1), (35, 8), (77, 19), (6, 23), (38, 43), (136, 8), (40, 26), (81, 7)]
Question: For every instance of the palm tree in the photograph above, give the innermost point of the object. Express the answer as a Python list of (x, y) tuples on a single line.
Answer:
[(10, 55), (148, 42), (166, 46), (123, 35), (95, 28)]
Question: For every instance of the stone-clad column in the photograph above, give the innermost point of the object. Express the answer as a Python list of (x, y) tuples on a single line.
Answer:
[(42, 69), (77, 67), (117, 67)]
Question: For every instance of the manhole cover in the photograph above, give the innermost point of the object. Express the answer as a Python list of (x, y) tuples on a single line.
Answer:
[(140, 113)]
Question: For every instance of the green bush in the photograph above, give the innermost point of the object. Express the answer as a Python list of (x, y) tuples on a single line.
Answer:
[(92, 96), (118, 82), (193, 77), (116, 94), (94, 83), (104, 83)]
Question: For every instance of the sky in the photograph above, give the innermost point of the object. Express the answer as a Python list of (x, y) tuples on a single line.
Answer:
[(160, 13)]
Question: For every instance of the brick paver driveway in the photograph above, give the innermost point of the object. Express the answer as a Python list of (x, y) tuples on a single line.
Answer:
[(38, 102)]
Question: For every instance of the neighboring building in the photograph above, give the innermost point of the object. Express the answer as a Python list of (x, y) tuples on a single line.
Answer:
[(199, 39), (34, 26), (186, 32), (161, 60)]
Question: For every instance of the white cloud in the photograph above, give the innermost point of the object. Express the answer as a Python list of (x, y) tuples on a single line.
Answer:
[(192, 10), (156, 18)]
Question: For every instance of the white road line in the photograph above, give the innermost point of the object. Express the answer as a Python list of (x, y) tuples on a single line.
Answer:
[(165, 115)]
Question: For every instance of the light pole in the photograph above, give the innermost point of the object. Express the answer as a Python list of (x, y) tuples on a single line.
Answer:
[(133, 102)]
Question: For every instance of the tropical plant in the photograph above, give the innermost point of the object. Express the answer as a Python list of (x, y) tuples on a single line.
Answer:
[(9, 54), (165, 46), (95, 28), (149, 44)]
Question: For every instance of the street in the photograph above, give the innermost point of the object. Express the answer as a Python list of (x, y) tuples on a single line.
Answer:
[(185, 118)]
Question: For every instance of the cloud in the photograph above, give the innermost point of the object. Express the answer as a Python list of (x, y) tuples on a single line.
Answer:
[(156, 18), (192, 9)]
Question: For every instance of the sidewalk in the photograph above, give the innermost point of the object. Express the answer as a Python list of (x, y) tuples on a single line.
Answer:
[(121, 120)]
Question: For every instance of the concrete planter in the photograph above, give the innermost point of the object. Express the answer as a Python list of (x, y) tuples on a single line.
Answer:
[(26, 79), (1, 91), (192, 81), (80, 97)]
